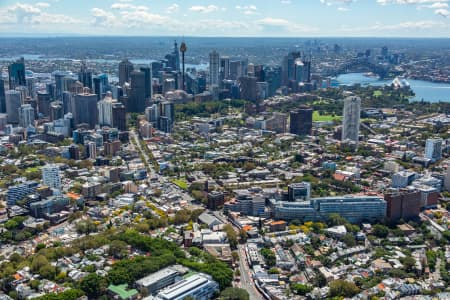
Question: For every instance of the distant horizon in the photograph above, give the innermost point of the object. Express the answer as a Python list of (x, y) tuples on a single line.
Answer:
[(233, 18), (56, 35)]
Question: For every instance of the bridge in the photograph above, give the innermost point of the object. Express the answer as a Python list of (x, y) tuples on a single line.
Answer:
[(362, 65)]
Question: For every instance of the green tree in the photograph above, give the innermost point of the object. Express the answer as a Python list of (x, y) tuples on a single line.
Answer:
[(301, 289), (93, 285), (231, 235), (118, 249), (232, 293), (380, 231), (342, 288)]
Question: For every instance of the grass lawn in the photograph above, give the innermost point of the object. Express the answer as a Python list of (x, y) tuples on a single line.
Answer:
[(324, 118), (182, 184), (377, 93), (32, 169)]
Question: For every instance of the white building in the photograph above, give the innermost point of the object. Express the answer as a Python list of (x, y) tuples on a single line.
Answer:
[(351, 122), (433, 149), (51, 177), (26, 115)]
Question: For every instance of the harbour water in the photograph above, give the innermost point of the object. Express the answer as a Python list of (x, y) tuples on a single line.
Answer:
[(428, 91)]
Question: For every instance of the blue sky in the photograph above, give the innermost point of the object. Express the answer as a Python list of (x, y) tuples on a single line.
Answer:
[(283, 18)]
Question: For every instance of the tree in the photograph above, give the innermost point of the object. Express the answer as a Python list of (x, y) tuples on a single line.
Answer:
[(269, 256), (349, 240), (38, 262), (232, 293), (336, 219), (118, 249), (231, 235), (301, 289), (380, 231), (342, 288), (93, 285), (243, 235)]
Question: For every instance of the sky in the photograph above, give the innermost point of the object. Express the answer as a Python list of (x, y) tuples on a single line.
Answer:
[(274, 18)]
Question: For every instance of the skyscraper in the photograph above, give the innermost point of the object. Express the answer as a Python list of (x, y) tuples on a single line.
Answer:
[(176, 53), (43, 100), (16, 72), (433, 149), (2, 96), (13, 102), (214, 69), (301, 121), (85, 76), (147, 70), (136, 101), (85, 109), (125, 69), (119, 116), (289, 67), (26, 115), (350, 123), (101, 85), (56, 110), (51, 177), (247, 86), (224, 68)]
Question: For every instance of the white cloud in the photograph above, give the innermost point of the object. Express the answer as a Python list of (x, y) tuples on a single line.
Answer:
[(443, 12), (247, 9), (343, 9), (411, 2), (173, 8), (102, 17), (286, 1), (42, 4), (204, 9)]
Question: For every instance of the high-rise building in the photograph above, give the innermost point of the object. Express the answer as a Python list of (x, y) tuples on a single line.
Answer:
[(101, 85), (85, 76), (299, 191), (403, 204), (289, 67), (136, 101), (74, 152), (350, 123), (176, 53), (16, 72), (147, 70), (2, 96), (119, 120), (273, 79), (85, 109), (18, 192), (167, 116), (59, 77), (302, 71), (152, 115), (433, 149), (13, 102), (301, 121), (26, 115), (91, 149), (51, 177), (247, 87), (224, 68), (44, 100), (125, 69), (214, 69), (56, 110), (104, 108)]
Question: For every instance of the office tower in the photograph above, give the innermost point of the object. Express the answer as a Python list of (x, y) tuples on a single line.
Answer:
[(67, 102), (301, 121), (119, 120), (302, 71), (152, 115), (224, 68), (247, 86), (51, 177), (85, 109), (147, 70), (402, 179), (259, 73), (26, 115), (33, 103), (216, 200), (56, 110), (403, 204), (238, 68), (91, 149), (13, 102), (350, 123), (433, 149), (104, 108), (136, 101), (85, 76), (176, 53), (18, 192), (288, 67), (384, 51), (44, 100), (125, 69), (30, 86), (277, 123), (299, 191), (262, 90), (74, 152), (183, 49), (273, 79), (157, 66), (16, 72), (101, 85), (2, 96), (59, 76), (167, 116), (214, 68)]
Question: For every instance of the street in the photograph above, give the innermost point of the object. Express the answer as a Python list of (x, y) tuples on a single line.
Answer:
[(246, 278)]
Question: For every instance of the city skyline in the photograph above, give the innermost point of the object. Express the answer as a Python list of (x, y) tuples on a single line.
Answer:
[(275, 18)]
